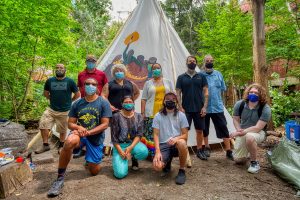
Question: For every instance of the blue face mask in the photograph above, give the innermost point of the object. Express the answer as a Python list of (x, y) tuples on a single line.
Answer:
[(90, 65), (128, 106), (156, 72), (253, 98), (119, 75), (90, 89)]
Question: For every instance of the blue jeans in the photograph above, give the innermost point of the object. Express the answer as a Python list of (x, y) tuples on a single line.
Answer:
[(120, 165)]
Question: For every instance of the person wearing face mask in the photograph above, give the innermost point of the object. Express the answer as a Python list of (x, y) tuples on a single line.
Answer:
[(88, 119), (170, 130), (250, 117), (91, 72), (215, 108), (58, 90), (117, 89), (127, 128), (152, 99), (192, 92)]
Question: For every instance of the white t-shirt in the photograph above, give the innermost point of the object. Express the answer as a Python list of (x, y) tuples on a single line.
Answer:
[(169, 125)]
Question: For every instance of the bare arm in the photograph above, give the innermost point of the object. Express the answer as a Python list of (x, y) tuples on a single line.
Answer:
[(184, 136), (156, 140), (205, 92), (101, 127), (105, 91), (47, 94), (143, 107), (178, 92), (76, 96), (136, 91), (237, 122), (258, 127)]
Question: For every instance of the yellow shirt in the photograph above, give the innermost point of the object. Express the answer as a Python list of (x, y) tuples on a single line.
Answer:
[(158, 100)]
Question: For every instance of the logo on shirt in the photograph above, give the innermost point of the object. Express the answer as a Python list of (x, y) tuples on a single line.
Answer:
[(87, 118), (58, 86)]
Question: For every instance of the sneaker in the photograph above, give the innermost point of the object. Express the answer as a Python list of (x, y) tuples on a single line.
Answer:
[(180, 178), (229, 155), (56, 187), (135, 164), (201, 155), (206, 151), (42, 149), (166, 170), (254, 167), (79, 153)]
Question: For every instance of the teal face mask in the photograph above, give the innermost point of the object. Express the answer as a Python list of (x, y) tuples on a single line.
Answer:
[(128, 106), (90, 65), (119, 75), (156, 73)]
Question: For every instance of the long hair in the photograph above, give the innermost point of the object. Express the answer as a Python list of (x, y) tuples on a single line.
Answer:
[(164, 109), (262, 93)]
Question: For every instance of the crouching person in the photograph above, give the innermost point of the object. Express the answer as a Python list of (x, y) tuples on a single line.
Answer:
[(170, 129), (88, 118), (127, 127)]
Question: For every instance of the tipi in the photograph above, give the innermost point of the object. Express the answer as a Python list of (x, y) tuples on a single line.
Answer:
[(148, 37)]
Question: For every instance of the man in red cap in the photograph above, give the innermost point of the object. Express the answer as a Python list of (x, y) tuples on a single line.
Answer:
[(91, 72)]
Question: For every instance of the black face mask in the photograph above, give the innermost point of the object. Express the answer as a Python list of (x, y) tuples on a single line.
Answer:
[(191, 66), (59, 74), (170, 105), (209, 65)]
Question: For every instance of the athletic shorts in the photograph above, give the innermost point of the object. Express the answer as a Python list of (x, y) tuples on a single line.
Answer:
[(220, 125), (168, 152), (51, 117), (199, 122), (93, 154)]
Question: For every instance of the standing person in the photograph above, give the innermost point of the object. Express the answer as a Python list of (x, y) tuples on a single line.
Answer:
[(91, 72), (127, 127), (170, 138), (152, 99), (250, 117), (59, 91), (194, 90), (118, 88), (88, 118), (215, 108)]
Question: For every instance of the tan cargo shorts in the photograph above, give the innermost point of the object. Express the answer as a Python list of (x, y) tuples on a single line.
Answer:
[(240, 150), (51, 117)]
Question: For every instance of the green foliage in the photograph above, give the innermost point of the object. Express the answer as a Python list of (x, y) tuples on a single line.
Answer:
[(283, 105), (226, 34)]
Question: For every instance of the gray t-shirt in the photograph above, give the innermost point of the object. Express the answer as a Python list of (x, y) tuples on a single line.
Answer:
[(169, 125), (250, 117)]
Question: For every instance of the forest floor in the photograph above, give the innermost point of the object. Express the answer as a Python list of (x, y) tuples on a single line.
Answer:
[(217, 178)]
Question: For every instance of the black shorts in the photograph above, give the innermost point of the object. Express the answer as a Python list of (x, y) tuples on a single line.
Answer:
[(220, 124), (199, 122), (168, 152)]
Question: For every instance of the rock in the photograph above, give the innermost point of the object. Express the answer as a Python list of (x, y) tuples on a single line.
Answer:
[(13, 135), (43, 158)]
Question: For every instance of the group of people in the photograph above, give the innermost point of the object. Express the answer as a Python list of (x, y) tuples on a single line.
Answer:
[(165, 118)]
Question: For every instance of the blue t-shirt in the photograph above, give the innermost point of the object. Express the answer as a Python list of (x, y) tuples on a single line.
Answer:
[(216, 86), (60, 93), (89, 116)]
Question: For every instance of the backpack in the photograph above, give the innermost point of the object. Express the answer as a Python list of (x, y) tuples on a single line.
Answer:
[(259, 111)]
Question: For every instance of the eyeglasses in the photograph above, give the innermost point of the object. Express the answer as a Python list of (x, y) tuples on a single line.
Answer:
[(94, 84)]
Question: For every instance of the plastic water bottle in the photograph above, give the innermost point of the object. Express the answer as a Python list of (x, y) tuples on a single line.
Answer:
[(32, 166)]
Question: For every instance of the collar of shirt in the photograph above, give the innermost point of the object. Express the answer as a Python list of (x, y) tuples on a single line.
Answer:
[(191, 75), (92, 72)]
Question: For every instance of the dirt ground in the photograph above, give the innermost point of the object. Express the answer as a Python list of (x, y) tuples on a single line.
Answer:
[(217, 178)]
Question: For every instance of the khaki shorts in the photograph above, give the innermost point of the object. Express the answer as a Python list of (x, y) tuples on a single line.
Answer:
[(51, 117), (240, 150)]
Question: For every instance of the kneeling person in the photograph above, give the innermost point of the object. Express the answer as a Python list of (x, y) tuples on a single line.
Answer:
[(88, 118), (127, 127), (170, 129)]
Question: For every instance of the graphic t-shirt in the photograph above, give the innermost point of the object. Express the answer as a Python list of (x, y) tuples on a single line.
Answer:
[(89, 116), (60, 93)]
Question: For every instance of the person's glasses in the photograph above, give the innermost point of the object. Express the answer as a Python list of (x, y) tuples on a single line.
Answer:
[(94, 84)]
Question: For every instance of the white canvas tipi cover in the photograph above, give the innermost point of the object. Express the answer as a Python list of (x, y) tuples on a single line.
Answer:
[(146, 38)]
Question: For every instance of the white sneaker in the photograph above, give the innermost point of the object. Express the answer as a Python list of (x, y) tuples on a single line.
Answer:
[(254, 167)]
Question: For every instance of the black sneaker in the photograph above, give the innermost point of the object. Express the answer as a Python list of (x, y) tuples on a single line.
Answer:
[(56, 187), (229, 155), (201, 155), (206, 151), (166, 170), (180, 178), (135, 164)]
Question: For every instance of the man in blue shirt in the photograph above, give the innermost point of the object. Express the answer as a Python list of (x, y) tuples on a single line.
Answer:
[(215, 108), (88, 118)]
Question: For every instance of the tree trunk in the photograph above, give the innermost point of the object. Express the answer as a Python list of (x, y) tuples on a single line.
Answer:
[(259, 51)]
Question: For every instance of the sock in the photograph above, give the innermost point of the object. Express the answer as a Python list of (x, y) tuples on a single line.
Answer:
[(61, 144), (45, 144), (61, 172), (203, 146)]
